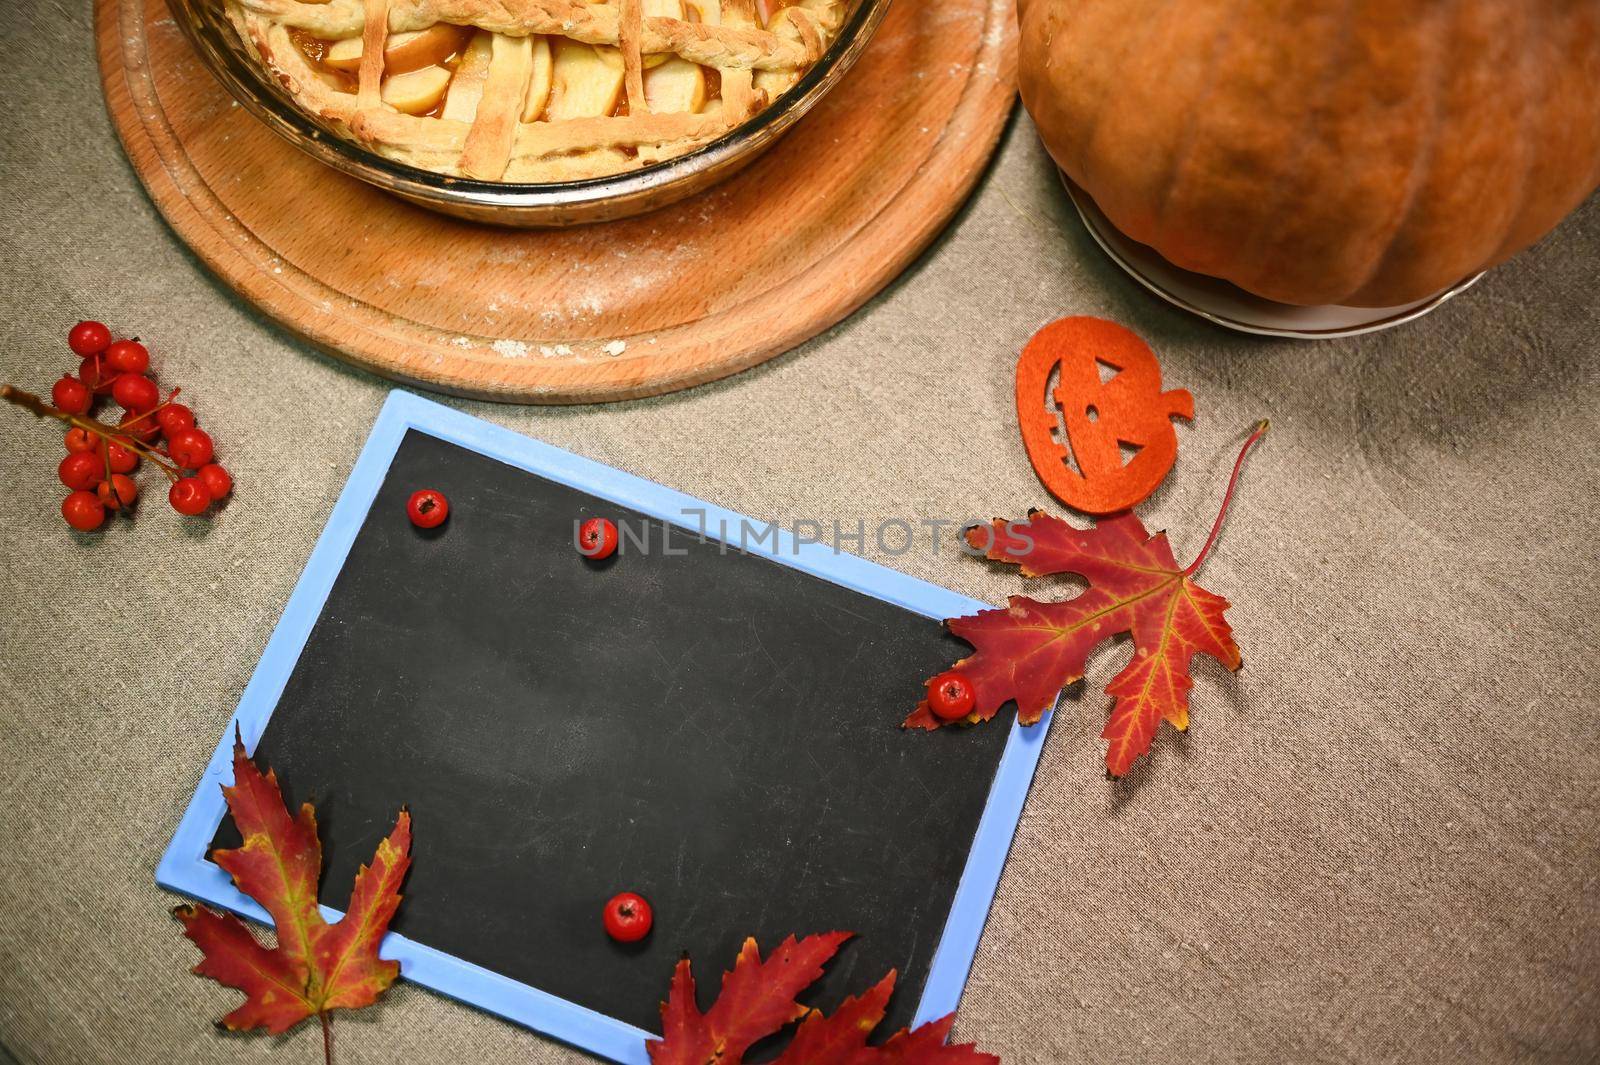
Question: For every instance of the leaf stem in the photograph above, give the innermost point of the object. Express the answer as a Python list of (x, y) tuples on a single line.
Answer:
[(327, 1038), (1227, 497)]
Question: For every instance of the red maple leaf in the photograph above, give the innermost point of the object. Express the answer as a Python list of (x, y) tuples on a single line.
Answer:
[(316, 967), (1031, 650), (758, 999)]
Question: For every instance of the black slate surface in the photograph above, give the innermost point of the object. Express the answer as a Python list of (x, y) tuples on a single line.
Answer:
[(712, 729)]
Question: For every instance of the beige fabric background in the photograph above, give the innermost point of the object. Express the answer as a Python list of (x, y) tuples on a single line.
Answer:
[(1377, 843)]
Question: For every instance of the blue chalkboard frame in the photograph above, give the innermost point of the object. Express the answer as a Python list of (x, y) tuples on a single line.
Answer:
[(184, 867)]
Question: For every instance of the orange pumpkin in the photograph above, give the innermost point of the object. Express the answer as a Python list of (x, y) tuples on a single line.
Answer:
[(1365, 152)]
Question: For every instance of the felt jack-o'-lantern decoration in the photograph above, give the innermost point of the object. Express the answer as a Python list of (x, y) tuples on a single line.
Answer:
[(1322, 151), (1094, 419)]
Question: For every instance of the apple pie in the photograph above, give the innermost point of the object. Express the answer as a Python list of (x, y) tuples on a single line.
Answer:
[(536, 90)]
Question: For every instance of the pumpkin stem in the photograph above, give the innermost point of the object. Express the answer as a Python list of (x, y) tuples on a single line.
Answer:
[(1227, 497)]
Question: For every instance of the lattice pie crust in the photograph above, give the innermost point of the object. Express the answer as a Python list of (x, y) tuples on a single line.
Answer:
[(536, 90)]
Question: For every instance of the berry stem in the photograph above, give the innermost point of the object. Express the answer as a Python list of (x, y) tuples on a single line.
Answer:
[(32, 402), (139, 446), (1227, 496), (151, 412), (110, 434)]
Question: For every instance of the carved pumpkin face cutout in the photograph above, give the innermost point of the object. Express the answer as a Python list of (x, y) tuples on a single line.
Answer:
[(1101, 438)]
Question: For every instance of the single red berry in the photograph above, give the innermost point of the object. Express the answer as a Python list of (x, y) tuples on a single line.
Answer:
[(83, 511), (128, 356), (950, 696), (94, 373), (174, 418), (190, 448), (123, 460), (628, 917), (81, 471), (135, 392), (189, 496), (597, 538), (426, 508), (81, 440), (218, 481), (121, 491), (89, 338), (71, 395)]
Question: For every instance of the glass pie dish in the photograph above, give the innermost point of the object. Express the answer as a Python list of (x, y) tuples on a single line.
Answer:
[(691, 99)]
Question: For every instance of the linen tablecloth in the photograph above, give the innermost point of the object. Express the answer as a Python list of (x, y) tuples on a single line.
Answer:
[(1376, 843)]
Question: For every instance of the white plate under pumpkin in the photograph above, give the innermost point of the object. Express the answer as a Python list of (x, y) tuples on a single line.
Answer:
[(1229, 305)]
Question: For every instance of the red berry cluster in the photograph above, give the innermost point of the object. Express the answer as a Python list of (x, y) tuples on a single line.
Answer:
[(101, 456)]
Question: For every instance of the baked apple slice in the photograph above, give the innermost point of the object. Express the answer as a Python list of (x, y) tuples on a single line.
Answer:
[(416, 92), (776, 82), (586, 80), (674, 86), (659, 9), (539, 85), (466, 88), (404, 52)]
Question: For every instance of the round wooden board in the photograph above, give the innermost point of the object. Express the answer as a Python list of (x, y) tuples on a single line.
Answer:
[(685, 295)]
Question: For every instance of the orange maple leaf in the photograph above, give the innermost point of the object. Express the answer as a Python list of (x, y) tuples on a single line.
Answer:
[(758, 999), (316, 967), (1029, 651)]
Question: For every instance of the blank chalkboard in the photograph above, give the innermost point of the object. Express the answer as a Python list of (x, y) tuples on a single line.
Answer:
[(713, 729)]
